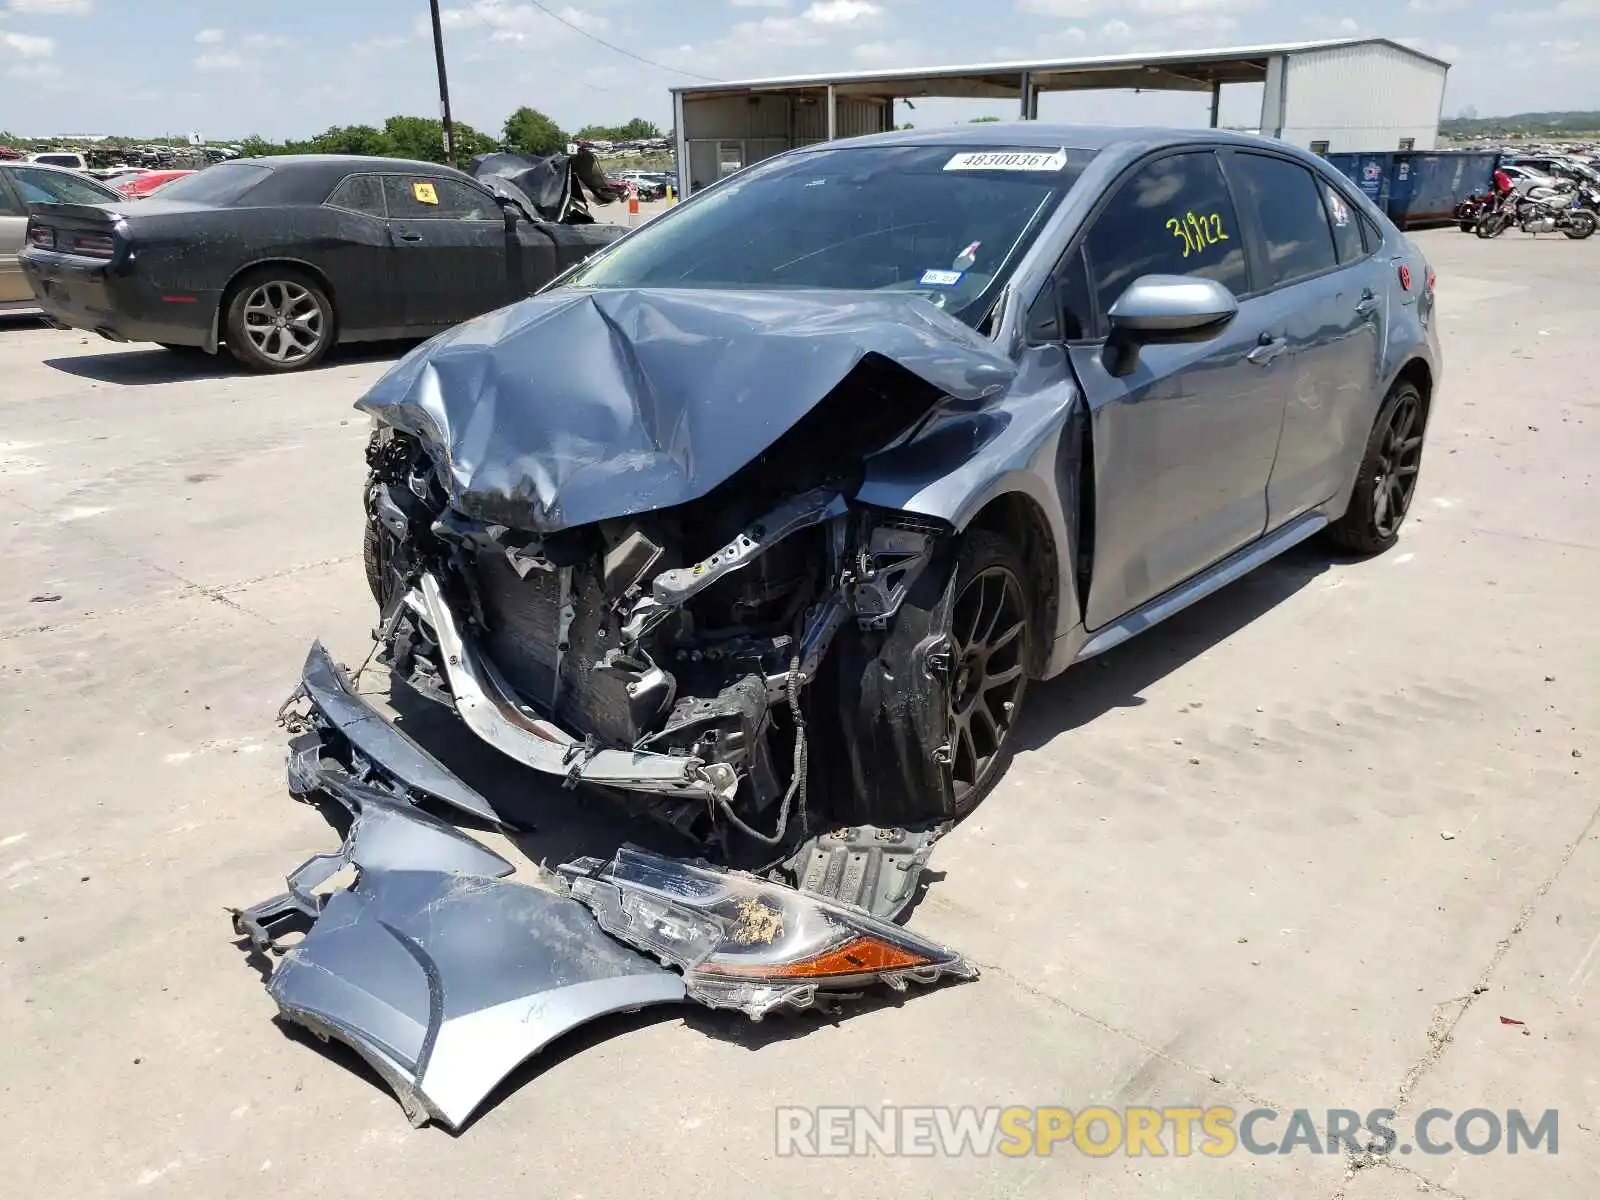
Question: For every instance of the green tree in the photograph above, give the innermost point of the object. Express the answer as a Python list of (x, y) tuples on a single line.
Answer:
[(421, 138), (636, 130), (472, 142), (353, 139), (256, 146), (529, 131)]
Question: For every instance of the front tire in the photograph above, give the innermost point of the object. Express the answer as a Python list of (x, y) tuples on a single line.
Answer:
[(1387, 481), (1581, 225), (278, 320)]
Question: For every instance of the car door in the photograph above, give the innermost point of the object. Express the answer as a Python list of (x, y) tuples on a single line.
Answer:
[(454, 257), (1326, 297), (360, 263), (13, 226), (1183, 444)]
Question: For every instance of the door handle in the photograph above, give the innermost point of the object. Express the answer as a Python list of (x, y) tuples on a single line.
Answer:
[(1268, 350), (1367, 303), (410, 237)]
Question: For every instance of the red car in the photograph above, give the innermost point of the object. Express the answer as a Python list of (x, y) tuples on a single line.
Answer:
[(142, 184)]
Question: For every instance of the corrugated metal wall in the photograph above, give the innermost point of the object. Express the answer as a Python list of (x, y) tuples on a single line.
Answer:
[(752, 128), (1362, 98)]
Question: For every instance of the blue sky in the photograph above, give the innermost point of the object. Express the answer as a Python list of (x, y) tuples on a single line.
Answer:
[(226, 68)]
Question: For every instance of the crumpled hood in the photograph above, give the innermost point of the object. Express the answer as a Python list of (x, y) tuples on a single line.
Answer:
[(578, 406)]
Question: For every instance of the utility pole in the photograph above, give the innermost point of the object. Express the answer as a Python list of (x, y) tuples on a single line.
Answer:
[(444, 87)]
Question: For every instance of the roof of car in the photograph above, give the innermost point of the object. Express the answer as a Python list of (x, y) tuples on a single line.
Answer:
[(39, 166), (345, 163), (1038, 134)]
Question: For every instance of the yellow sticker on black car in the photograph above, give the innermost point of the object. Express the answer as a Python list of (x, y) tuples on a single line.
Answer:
[(424, 193)]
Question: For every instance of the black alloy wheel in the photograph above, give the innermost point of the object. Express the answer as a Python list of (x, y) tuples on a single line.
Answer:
[(1387, 480), (989, 632)]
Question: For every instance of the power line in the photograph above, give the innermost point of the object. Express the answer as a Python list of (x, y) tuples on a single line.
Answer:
[(649, 62)]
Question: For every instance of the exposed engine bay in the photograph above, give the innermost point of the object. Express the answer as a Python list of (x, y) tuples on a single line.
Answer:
[(693, 633)]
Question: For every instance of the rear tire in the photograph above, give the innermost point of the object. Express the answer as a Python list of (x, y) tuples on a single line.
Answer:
[(1387, 481), (1583, 225), (278, 319)]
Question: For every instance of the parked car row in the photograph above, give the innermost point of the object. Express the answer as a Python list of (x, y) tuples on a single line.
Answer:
[(278, 259)]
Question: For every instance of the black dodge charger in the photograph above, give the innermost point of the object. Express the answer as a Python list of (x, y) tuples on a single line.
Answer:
[(279, 258)]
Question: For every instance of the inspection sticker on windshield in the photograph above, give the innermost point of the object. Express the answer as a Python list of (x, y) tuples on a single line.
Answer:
[(935, 278), (1008, 160)]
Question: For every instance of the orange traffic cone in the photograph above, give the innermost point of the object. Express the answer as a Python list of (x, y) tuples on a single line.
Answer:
[(633, 202)]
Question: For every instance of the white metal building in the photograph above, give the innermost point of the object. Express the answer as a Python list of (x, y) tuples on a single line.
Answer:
[(1360, 94)]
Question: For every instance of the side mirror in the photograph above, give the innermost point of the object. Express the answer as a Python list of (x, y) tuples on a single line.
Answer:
[(1158, 310)]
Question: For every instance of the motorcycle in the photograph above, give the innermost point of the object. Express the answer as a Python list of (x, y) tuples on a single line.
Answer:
[(1472, 210), (1560, 211)]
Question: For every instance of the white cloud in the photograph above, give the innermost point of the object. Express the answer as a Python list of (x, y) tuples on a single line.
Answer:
[(1328, 26), (1567, 10), (35, 71), (509, 20), (1058, 8), (886, 54), (25, 45), (379, 44), (840, 12), (51, 8), (210, 37), (219, 60), (770, 31), (1117, 30)]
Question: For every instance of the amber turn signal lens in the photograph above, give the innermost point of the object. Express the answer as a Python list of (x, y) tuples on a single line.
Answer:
[(859, 956)]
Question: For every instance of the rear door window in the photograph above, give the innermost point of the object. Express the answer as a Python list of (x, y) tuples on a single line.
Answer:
[(361, 194), (1174, 216), (432, 198), (1289, 208)]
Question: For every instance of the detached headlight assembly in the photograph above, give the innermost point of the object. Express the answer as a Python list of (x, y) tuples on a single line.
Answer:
[(747, 943)]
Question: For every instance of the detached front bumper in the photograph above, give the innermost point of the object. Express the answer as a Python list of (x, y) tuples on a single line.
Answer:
[(489, 707)]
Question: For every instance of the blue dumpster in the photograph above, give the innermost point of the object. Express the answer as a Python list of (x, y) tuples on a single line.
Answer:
[(1371, 173), (1424, 188)]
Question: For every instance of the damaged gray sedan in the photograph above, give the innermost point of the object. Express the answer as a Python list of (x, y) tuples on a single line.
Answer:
[(764, 517), (762, 520)]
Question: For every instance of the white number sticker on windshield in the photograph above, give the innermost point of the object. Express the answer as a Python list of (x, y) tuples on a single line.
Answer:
[(1008, 160)]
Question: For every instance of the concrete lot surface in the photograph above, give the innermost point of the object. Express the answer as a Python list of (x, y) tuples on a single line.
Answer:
[(1303, 846)]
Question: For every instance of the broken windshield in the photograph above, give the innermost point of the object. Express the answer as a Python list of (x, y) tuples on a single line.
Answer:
[(949, 222)]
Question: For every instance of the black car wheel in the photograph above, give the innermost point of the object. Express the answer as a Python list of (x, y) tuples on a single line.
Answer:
[(989, 627), (278, 320), (919, 721), (1387, 481)]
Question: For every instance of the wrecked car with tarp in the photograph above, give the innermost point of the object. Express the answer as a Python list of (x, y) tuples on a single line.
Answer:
[(761, 521)]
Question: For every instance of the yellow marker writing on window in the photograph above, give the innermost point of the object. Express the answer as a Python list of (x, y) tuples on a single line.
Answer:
[(1197, 231), (424, 193)]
